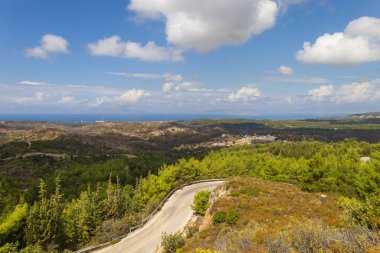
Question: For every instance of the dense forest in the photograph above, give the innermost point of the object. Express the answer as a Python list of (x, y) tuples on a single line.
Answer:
[(67, 212)]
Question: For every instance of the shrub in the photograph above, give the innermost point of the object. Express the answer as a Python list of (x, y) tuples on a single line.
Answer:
[(219, 217), (365, 212), (232, 217), (172, 242), (201, 202)]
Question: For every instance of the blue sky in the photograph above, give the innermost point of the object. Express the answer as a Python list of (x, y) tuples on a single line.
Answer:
[(189, 56)]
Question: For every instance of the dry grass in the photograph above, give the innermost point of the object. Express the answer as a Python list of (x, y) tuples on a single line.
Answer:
[(278, 217)]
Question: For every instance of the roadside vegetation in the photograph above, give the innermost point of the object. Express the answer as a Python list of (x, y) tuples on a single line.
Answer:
[(105, 209), (201, 202)]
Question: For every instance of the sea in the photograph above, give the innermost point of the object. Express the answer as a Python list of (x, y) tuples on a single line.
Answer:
[(88, 118)]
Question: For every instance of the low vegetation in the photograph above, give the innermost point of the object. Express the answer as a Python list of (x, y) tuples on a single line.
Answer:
[(171, 242)]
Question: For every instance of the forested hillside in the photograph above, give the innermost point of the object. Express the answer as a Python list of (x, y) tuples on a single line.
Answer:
[(57, 219)]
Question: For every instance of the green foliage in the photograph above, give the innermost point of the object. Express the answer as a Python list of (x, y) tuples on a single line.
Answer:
[(201, 202), (9, 248), (365, 212), (82, 217), (232, 216), (219, 217), (171, 242), (33, 249), (10, 228), (44, 221)]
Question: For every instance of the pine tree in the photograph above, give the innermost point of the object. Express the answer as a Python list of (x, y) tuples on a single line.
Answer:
[(43, 226)]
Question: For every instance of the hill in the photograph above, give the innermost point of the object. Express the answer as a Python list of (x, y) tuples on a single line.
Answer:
[(276, 217)]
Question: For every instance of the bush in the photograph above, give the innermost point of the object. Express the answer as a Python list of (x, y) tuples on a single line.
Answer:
[(232, 217), (219, 217), (365, 212), (201, 202), (172, 242)]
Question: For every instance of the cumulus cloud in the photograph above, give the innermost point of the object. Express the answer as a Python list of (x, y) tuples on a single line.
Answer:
[(206, 25), (182, 87), (50, 45), (321, 93), (167, 87), (357, 92), (358, 43), (349, 93), (115, 47), (131, 96), (285, 70), (244, 94), (36, 99)]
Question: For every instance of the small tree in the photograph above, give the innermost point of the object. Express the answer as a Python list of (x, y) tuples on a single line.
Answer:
[(172, 242), (201, 202)]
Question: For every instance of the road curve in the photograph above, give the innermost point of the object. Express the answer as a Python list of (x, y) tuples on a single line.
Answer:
[(172, 218)]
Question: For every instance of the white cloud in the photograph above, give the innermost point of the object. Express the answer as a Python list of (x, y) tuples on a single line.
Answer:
[(98, 102), (359, 43), (349, 93), (49, 46), (188, 86), (66, 100), (115, 47), (172, 77), (206, 25), (245, 94), (364, 26), (33, 83), (285, 70), (167, 87), (299, 79), (36, 99), (166, 76), (131, 96), (321, 93), (357, 92)]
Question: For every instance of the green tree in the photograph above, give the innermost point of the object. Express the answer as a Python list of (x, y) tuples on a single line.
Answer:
[(44, 221), (201, 202)]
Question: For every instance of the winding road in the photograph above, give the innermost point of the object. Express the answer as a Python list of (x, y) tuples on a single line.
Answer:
[(172, 218)]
